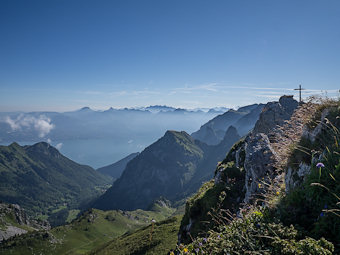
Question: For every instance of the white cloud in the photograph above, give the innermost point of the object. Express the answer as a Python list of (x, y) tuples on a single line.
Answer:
[(13, 124), (49, 140), (59, 145), (130, 141), (42, 124), (211, 87)]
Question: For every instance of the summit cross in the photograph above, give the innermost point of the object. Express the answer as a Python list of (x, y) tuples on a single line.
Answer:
[(300, 89)]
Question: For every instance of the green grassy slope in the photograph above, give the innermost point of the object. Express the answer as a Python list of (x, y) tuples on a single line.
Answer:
[(44, 182), (91, 230), (163, 238)]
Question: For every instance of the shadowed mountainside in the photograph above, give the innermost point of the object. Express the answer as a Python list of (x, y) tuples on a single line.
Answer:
[(115, 170), (173, 167), (244, 119), (43, 181)]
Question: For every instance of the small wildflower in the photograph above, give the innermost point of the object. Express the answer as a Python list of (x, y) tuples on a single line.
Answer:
[(258, 225), (205, 240), (200, 244), (219, 237), (260, 185), (322, 214), (172, 253), (197, 250), (185, 250), (326, 206), (277, 193), (320, 165)]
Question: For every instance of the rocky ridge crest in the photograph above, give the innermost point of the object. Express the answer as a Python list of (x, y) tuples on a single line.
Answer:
[(261, 148), (253, 161), (14, 221)]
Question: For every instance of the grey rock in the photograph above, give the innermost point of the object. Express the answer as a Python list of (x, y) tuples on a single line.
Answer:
[(311, 134), (15, 212), (294, 177), (11, 231), (258, 164), (275, 114)]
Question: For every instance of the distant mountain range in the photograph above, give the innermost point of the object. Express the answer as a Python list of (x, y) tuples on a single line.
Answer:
[(44, 182), (114, 132), (242, 119)]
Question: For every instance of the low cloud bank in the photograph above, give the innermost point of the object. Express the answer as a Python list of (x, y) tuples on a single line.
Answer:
[(42, 124)]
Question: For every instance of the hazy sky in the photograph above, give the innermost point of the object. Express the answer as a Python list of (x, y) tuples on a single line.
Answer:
[(62, 55)]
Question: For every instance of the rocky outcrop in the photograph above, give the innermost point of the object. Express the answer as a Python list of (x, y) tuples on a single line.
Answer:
[(10, 231), (248, 167), (311, 133), (261, 163), (261, 157), (14, 221), (294, 178), (258, 164), (274, 114), (260, 154)]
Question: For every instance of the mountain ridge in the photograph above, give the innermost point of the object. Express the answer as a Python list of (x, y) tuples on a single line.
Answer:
[(173, 167), (115, 170), (243, 119), (43, 181)]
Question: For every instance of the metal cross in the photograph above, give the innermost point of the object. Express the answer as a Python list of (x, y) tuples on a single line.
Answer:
[(299, 89)]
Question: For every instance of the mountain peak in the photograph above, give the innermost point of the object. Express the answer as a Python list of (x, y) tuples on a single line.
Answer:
[(14, 145), (176, 133), (178, 136), (43, 148), (162, 169), (231, 132), (275, 113), (85, 109)]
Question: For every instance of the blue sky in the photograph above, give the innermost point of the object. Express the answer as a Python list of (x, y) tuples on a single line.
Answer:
[(64, 54)]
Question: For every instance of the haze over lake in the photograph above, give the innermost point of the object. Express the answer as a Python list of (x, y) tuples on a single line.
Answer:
[(99, 138)]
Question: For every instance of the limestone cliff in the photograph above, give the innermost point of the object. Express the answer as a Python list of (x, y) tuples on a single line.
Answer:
[(14, 221), (250, 164)]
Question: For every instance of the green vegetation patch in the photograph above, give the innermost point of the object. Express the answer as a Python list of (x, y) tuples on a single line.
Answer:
[(226, 194), (92, 229), (156, 238), (45, 183), (253, 234)]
